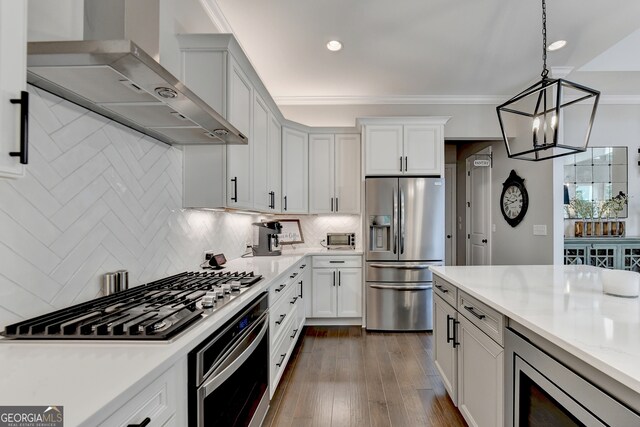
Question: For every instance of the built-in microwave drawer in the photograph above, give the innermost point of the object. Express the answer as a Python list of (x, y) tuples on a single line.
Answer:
[(399, 271), (484, 317)]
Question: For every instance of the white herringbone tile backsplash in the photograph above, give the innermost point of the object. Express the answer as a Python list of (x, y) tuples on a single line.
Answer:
[(97, 197)]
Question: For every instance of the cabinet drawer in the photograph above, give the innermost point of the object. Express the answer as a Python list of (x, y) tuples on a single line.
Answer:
[(283, 350), (337, 261), (484, 317), (446, 291), (156, 402), (282, 311)]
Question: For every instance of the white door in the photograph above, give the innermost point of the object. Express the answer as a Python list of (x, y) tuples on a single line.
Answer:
[(478, 211), (349, 292), (321, 173), (260, 147), (383, 150), (480, 377), (445, 354), (13, 62), (324, 292), (450, 214), (274, 163), (295, 171), (347, 172), (239, 177), (423, 150)]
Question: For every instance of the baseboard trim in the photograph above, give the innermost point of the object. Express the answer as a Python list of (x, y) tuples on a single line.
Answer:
[(355, 321)]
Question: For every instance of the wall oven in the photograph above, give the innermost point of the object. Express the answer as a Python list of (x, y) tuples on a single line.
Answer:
[(229, 371), (553, 390)]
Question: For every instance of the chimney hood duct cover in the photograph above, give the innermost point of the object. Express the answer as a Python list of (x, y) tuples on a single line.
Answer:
[(117, 79)]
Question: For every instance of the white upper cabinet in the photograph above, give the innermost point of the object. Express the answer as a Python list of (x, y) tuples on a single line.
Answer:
[(321, 173), (334, 173), (13, 77), (239, 172), (383, 150), (423, 150), (295, 171), (347, 172), (414, 147), (260, 145), (274, 164)]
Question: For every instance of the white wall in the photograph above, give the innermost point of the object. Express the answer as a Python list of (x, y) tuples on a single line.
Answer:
[(55, 20)]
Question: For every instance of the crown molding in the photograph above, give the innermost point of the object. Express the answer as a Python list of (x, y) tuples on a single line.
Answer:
[(426, 100), (214, 12)]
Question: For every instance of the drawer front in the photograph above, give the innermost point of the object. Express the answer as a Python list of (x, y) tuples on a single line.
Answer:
[(156, 402), (446, 291), (282, 311), (283, 350), (327, 261), (484, 317), (287, 281)]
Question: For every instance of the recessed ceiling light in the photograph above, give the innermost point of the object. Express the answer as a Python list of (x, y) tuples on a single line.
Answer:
[(334, 45), (557, 45)]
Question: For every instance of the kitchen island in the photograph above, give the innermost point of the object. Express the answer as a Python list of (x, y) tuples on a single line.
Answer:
[(559, 308)]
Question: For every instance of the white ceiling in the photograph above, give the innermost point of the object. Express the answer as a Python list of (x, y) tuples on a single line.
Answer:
[(431, 48)]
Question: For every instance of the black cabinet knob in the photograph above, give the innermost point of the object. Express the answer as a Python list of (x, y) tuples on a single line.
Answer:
[(484, 240), (448, 236)]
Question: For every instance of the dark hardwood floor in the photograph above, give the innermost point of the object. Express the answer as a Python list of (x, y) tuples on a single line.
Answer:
[(347, 376)]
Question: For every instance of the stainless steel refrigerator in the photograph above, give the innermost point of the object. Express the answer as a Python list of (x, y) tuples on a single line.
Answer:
[(404, 236)]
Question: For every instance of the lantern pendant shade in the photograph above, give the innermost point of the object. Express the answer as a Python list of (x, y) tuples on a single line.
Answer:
[(532, 122)]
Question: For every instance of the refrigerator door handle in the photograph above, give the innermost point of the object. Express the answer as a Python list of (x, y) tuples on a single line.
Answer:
[(402, 267), (395, 222), (402, 288), (401, 220)]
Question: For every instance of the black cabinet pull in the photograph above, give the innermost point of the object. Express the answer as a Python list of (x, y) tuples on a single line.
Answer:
[(285, 203), (282, 356), (442, 289), (339, 279), (336, 204), (334, 278), (24, 127), (295, 331), (272, 200), (405, 163), (332, 204), (303, 266), (455, 333), (235, 189), (281, 287), (293, 301), (484, 240), (400, 163), (472, 311), (448, 236), (144, 422), (282, 316), (301, 288), (336, 262), (449, 337), (293, 275)]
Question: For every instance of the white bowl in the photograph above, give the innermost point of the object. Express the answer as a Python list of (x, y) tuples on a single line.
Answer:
[(620, 283)]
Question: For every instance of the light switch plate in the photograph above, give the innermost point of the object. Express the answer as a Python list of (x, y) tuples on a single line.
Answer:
[(540, 230)]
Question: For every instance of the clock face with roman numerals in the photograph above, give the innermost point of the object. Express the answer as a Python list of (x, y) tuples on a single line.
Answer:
[(514, 200)]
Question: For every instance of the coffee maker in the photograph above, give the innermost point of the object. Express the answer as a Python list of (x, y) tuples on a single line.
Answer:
[(268, 243)]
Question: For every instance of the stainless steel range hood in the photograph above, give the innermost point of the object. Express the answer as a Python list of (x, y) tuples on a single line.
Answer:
[(117, 79)]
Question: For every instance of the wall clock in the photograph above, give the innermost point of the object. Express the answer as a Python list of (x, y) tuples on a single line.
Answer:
[(514, 200)]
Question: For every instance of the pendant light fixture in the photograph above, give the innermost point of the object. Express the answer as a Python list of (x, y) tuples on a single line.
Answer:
[(531, 121)]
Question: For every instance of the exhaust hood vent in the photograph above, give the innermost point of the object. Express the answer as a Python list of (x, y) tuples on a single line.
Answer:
[(117, 79)]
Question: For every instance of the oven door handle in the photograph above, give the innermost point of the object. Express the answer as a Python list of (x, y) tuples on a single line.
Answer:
[(224, 371)]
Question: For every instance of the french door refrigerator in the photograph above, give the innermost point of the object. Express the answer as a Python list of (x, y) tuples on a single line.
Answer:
[(404, 236)]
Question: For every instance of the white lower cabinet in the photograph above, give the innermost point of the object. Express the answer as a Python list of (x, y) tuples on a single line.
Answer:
[(336, 292), (446, 354), (163, 402), (480, 377), (469, 354), (286, 319)]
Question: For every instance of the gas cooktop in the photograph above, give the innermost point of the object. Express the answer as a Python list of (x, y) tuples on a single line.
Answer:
[(159, 310)]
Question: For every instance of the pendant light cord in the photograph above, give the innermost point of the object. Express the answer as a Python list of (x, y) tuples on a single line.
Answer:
[(545, 71)]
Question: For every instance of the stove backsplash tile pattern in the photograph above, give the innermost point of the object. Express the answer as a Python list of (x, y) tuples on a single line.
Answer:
[(97, 197)]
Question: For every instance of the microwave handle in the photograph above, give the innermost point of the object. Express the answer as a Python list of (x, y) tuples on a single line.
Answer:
[(221, 375)]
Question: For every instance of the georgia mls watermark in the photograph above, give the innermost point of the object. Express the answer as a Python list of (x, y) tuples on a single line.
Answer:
[(31, 416)]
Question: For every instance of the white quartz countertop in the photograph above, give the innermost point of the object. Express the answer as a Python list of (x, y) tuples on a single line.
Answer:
[(564, 305), (93, 379)]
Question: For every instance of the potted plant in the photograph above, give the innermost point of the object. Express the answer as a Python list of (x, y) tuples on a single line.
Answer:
[(583, 210), (616, 205)]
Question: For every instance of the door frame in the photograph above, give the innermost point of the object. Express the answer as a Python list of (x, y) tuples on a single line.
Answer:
[(468, 166), (453, 213)]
